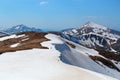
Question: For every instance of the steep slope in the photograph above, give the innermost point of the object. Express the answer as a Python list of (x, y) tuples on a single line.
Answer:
[(3, 33), (94, 60), (116, 46), (94, 36), (39, 63), (21, 28)]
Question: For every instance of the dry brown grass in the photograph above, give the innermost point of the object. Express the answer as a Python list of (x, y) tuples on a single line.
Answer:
[(109, 55), (33, 42)]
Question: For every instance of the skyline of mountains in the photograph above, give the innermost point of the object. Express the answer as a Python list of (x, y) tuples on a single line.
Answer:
[(83, 47), (21, 28), (91, 35), (35, 27)]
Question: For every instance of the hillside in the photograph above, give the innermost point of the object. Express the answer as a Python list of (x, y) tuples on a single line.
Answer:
[(43, 56)]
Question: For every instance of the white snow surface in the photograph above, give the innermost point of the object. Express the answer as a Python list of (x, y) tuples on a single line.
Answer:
[(80, 57), (97, 29), (101, 29), (43, 64), (95, 26), (14, 45), (11, 36), (17, 27), (25, 39)]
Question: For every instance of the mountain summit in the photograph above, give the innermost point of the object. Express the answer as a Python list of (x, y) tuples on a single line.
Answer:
[(94, 36), (54, 58), (93, 27)]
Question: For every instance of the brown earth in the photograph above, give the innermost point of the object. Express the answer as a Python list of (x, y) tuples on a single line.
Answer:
[(109, 55), (72, 45), (104, 61), (33, 40)]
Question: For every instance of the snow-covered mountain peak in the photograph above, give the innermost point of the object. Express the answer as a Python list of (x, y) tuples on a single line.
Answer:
[(94, 25), (19, 26), (91, 27), (93, 35)]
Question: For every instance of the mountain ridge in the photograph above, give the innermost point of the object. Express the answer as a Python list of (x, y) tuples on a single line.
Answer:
[(92, 35), (21, 28), (79, 52), (41, 56)]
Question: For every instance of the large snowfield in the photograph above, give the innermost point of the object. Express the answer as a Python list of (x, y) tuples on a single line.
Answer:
[(44, 64)]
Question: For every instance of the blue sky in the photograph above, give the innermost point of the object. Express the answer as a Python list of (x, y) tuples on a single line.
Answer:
[(59, 14)]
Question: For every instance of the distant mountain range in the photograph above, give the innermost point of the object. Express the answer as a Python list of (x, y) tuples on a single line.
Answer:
[(20, 28), (95, 36), (85, 51), (90, 35)]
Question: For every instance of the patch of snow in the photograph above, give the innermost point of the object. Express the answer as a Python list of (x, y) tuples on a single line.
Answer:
[(113, 50), (74, 30), (54, 40), (25, 39), (18, 36), (7, 37), (11, 36), (17, 27), (14, 45)]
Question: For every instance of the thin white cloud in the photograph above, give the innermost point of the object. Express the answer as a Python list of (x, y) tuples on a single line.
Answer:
[(43, 3)]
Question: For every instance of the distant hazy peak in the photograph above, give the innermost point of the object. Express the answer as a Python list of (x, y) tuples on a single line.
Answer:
[(21, 28)]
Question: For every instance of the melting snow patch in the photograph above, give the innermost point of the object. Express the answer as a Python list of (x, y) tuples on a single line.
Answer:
[(7, 37), (14, 45), (11, 36), (18, 36), (25, 39)]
